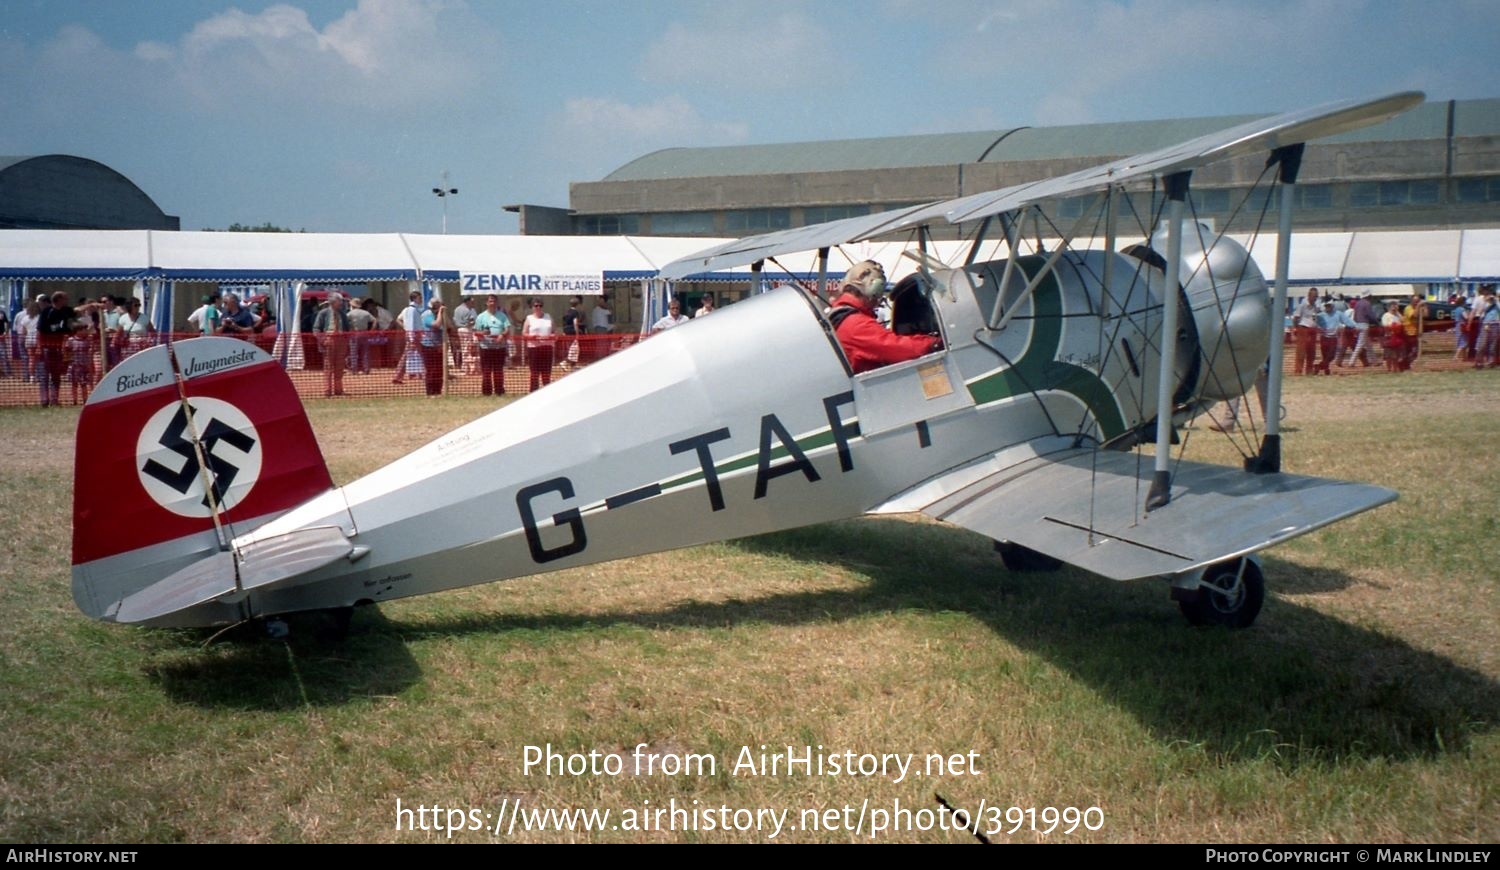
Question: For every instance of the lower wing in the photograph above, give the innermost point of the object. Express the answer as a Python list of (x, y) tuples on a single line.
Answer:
[(1084, 507)]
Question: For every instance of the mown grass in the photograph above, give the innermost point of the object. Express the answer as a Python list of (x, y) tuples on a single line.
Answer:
[(1361, 707)]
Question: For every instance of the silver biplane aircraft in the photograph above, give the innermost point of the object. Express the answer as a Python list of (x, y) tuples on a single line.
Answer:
[(202, 498)]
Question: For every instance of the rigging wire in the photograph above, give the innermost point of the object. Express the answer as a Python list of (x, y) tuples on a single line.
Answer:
[(1235, 438)]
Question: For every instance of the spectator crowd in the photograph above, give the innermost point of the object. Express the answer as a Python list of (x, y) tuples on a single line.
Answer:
[(58, 348)]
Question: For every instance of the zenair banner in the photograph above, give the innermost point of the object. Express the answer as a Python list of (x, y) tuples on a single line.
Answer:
[(531, 283)]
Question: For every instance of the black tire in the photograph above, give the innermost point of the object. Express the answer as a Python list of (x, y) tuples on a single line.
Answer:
[(338, 627), (1019, 558), (1215, 605)]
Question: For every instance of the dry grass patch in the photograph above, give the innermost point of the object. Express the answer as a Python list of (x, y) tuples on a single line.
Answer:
[(1362, 707)]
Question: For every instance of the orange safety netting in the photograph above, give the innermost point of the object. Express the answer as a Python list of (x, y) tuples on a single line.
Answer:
[(355, 365), (377, 364)]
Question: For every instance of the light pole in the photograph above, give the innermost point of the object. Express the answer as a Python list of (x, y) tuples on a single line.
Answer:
[(443, 193)]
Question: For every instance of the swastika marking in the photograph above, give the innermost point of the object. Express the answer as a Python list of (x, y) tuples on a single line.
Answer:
[(169, 467)]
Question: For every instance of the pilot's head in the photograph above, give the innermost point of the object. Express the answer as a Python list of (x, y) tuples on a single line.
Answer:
[(866, 278)]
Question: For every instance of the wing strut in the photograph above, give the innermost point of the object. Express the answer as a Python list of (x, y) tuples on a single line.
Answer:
[(1062, 248), (1269, 459), (1008, 226), (1166, 385)]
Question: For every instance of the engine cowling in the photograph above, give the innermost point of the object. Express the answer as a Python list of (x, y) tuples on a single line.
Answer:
[(1230, 304)]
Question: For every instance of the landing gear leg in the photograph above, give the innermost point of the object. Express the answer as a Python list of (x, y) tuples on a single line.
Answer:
[(1230, 594)]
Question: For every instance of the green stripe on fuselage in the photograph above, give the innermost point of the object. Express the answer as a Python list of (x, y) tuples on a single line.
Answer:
[(1039, 368), (807, 443)]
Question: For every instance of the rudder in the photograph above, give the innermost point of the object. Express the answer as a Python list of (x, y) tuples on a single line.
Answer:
[(180, 448)]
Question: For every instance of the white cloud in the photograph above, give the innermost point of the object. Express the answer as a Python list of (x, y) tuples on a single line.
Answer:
[(1077, 61), (380, 55), (669, 120), (154, 51), (744, 47), (604, 133)]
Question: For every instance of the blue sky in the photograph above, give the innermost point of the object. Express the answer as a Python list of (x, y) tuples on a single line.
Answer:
[(340, 115)]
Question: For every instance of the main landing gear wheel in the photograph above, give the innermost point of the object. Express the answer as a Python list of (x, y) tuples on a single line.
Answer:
[(1229, 596)]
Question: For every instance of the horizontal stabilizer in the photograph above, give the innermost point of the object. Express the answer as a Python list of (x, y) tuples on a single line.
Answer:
[(265, 563), (200, 582), (1085, 507), (262, 564)]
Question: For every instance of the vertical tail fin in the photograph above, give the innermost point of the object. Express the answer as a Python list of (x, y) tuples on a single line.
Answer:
[(179, 449)]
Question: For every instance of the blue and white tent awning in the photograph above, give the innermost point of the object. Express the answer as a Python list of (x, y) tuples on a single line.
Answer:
[(332, 257), (525, 265)]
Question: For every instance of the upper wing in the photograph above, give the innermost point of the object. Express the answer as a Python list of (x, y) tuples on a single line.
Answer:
[(1084, 507), (808, 238), (1253, 136)]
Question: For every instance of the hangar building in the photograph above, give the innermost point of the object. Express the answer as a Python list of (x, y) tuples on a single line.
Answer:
[(61, 192), (1436, 167)]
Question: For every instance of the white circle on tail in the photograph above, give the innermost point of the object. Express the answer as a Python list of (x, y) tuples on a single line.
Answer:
[(168, 463)]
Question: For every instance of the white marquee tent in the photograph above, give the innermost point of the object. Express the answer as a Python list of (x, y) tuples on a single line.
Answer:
[(526, 264)]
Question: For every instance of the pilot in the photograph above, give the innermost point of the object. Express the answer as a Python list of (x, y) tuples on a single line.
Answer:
[(866, 343)]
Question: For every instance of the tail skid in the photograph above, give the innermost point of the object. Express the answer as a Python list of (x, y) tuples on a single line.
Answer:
[(181, 448)]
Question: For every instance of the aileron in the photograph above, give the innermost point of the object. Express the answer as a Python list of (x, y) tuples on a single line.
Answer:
[(1083, 507)]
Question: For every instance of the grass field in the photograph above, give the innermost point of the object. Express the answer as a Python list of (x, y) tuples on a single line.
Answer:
[(1363, 706)]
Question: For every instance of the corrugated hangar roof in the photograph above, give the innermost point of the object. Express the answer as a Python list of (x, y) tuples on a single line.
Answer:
[(1428, 121), (884, 153), (61, 191)]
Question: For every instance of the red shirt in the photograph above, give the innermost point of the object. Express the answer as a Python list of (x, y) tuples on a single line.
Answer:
[(868, 345)]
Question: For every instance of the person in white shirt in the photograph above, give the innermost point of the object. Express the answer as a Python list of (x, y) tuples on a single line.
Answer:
[(411, 322), (601, 319), (1305, 333), (135, 327), (537, 331), (1393, 336), (206, 319), (707, 307), (25, 330), (601, 322), (674, 317)]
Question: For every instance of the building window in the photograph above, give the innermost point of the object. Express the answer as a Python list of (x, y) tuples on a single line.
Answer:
[(1208, 201), (1072, 207), (682, 223), (1314, 196), (1479, 189), (1426, 192), (1253, 200), (757, 219), (822, 214), (1393, 193), (608, 224), (1369, 194)]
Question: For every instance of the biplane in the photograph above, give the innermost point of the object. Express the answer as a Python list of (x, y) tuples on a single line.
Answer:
[(1045, 420)]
